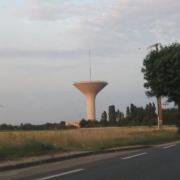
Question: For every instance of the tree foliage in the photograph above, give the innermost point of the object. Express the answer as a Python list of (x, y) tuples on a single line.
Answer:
[(112, 114), (161, 71), (134, 116), (29, 126), (104, 118)]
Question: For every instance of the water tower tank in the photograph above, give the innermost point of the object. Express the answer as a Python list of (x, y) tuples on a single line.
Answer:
[(90, 89)]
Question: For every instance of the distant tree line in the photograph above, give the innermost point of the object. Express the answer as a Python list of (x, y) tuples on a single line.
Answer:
[(28, 126), (171, 116), (134, 116), (113, 117)]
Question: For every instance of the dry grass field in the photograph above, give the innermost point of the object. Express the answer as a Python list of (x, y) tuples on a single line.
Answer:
[(22, 143)]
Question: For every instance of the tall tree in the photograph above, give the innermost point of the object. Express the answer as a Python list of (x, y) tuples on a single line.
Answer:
[(104, 118), (127, 112), (119, 115), (169, 72), (161, 71), (150, 70), (112, 114)]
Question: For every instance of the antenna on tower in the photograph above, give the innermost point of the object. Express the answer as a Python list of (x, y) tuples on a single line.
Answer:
[(90, 65)]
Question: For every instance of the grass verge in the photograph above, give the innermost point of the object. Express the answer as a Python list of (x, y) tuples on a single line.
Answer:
[(30, 147), (145, 138), (33, 143)]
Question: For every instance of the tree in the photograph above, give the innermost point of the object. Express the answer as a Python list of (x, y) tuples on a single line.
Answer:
[(127, 112), (62, 124), (171, 116), (161, 69), (104, 118), (150, 111), (112, 115), (119, 115), (169, 73), (133, 111), (83, 123), (153, 84)]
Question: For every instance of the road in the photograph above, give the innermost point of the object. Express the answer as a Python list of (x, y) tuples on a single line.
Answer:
[(158, 163)]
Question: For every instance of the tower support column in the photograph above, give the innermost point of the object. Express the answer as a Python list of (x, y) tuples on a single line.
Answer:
[(90, 108)]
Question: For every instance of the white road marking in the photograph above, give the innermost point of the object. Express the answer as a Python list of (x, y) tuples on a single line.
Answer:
[(61, 174), (172, 145), (136, 155)]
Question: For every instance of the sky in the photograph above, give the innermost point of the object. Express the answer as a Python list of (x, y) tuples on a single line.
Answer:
[(44, 47)]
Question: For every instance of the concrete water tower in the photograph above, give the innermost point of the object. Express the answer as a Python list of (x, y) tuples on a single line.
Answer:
[(90, 89)]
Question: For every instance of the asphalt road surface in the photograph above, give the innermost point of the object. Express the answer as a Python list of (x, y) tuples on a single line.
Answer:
[(160, 163)]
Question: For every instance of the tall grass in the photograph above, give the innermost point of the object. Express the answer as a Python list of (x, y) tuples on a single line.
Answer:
[(26, 148), (25, 143)]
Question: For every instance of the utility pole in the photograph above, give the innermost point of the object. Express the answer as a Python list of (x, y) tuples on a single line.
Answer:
[(159, 104)]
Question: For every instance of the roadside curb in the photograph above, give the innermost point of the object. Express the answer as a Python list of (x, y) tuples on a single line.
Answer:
[(18, 165)]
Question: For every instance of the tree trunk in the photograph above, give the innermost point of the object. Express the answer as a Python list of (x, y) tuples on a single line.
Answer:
[(160, 116)]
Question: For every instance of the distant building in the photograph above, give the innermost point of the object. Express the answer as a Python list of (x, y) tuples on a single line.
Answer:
[(75, 123)]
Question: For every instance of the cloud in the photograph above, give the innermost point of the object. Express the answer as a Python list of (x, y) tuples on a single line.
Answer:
[(110, 27), (166, 29), (56, 10), (26, 53), (52, 54)]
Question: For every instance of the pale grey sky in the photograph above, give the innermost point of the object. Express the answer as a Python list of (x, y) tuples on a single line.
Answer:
[(44, 49)]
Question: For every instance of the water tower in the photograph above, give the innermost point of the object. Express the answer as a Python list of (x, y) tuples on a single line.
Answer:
[(90, 89)]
